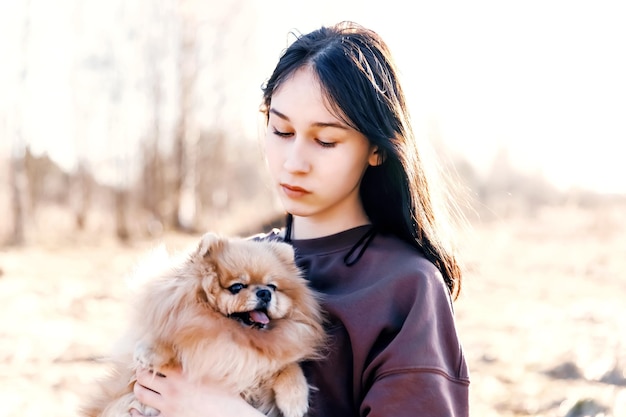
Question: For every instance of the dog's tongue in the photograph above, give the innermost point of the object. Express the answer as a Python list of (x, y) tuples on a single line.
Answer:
[(259, 317)]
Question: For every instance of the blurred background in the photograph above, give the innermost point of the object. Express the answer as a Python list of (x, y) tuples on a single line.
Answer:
[(148, 110), (125, 123)]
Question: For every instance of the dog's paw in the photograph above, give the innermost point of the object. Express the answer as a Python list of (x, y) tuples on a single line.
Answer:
[(292, 392), (143, 409), (295, 402), (146, 356), (143, 356)]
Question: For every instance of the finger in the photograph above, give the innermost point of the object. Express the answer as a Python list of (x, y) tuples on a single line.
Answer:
[(147, 396), (135, 413)]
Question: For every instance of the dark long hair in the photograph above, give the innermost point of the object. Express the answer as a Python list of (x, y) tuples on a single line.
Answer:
[(360, 80)]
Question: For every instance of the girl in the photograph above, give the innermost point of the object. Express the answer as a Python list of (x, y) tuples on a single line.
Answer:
[(361, 217)]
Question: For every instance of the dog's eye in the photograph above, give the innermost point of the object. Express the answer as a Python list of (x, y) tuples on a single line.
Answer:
[(272, 286), (235, 288)]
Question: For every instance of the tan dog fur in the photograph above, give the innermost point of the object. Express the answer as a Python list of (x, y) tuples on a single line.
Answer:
[(184, 318)]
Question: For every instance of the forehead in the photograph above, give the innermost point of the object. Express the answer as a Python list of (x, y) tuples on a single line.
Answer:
[(301, 97)]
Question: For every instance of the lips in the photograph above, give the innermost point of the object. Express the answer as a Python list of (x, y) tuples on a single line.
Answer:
[(294, 191)]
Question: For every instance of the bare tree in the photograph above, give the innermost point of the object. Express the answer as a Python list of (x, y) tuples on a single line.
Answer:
[(17, 181), (121, 214), (153, 185), (17, 175), (83, 189), (183, 190), (155, 197), (226, 32), (152, 190), (123, 147), (81, 181)]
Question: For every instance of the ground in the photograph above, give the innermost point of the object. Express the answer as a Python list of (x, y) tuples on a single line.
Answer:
[(541, 316)]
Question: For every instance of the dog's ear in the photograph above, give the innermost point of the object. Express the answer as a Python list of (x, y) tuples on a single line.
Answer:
[(210, 244), (284, 251)]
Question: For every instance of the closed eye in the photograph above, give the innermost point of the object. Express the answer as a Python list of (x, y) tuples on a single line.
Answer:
[(282, 134), (272, 287), (325, 144), (320, 142)]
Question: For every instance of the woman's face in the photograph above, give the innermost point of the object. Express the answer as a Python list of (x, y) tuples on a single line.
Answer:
[(316, 161)]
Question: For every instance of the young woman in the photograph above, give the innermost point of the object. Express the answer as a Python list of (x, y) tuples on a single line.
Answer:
[(361, 217)]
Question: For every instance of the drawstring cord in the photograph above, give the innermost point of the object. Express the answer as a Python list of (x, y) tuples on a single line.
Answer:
[(288, 227), (363, 243)]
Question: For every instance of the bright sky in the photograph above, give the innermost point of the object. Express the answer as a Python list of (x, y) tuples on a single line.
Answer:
[(546, 79)]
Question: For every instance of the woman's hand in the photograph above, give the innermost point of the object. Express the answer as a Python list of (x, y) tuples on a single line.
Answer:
[(174, 396)]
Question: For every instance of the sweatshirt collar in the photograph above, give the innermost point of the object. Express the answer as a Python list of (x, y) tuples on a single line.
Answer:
[(339, 241)]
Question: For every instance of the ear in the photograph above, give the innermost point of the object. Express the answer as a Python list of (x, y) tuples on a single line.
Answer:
[(377, 156), (284, 251), (210, 244)]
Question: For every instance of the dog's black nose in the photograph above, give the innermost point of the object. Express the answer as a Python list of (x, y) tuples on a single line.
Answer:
[(264, 295)]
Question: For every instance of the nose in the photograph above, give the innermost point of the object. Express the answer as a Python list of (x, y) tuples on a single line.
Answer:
[(264, 295), (296, 160)]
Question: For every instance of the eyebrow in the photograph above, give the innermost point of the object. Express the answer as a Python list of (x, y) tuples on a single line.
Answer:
[(316, 124)]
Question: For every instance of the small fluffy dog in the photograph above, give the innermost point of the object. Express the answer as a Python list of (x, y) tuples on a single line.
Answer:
[(235, 311)]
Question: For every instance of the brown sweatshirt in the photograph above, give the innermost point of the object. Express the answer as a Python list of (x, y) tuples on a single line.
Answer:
[(394, 349)]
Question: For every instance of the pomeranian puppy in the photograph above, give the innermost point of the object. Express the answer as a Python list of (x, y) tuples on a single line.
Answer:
[(234, 311)]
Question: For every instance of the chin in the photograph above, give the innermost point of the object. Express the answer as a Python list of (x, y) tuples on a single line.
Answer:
[(298, 209), (233, 311)]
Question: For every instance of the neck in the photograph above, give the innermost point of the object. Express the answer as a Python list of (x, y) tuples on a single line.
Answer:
[(307, 228)]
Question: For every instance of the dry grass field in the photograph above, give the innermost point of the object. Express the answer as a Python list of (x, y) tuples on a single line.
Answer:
[(542, 316)]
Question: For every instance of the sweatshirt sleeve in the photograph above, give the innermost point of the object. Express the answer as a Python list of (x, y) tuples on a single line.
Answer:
[(419, 392), (417, 366)]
